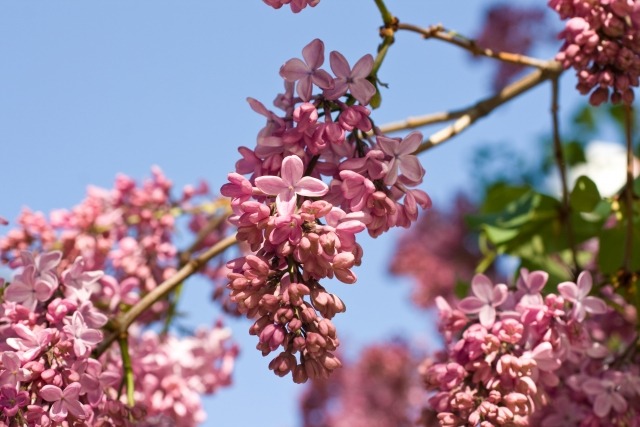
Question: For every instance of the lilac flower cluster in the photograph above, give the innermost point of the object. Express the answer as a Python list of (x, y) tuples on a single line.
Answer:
[(302, 229), (602, 43), (49, 377), (114, 247), (517, 358)]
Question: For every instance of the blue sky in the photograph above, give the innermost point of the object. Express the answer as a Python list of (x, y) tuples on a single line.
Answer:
[(90, 89)]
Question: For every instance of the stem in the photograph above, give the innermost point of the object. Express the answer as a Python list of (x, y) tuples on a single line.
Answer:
[(387, 32), (565, 213), (124, 320), (127, 367), (387, 17), (628, 191), (439, 33), (482, 108)]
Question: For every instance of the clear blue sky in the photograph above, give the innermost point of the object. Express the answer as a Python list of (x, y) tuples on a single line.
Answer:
[(90, 89)]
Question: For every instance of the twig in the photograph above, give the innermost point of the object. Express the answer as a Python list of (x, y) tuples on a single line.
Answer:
[(127, 367), (439, 33), (124, 320), (565, 214), (482, 108), (628, 247)]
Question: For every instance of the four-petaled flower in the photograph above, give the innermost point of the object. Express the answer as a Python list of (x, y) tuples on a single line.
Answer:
[(64, 402), (309, 71), (84, 338), (354, 80), (487, 298), (28, 288), (578, 295), (402, 157), (606, 395), (290, 183)]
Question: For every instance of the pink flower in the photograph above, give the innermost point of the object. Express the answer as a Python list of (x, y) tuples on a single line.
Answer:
[(63, 401), (27, 288), (12, 400), (289, 184), (3, 221), (84, 338), (487, 298), (577, 294), (605, 396), (355, 81), (308, 72), (12, 373), (402, 157), (30, 343)]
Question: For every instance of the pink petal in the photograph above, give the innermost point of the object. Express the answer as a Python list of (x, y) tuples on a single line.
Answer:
[(593, 386), (584, 284), (411, 168), (602, 405), (76, 409), (487, 316), (293, 70), (482, 288), (322, 79), (286, 203), (58, 411), (500, 293), (304, 88), (339, 88), (91, 336), (363, 91), (339, 64), (271, 184), (388, 145), (537, 280), (51, 393), (18, 291), (313, 53), (72, 391), (362, 68), (392, 173), (471, 305), (49, 260), (291, 170), (619, 402), (311, 187), (410, 143), (569, 290), (594, 305)]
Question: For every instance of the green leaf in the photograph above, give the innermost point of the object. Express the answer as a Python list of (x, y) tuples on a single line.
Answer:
[(585, 195), (584, 118), (612, 248), (574, 153), (376, 100)]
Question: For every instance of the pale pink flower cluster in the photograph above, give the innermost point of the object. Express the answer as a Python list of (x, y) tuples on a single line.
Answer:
[(602, 43), (296, 5), (316, 179), (127, 232), (514, 357), (48, 375)]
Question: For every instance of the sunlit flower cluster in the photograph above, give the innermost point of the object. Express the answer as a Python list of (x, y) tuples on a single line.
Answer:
[(319, 175)]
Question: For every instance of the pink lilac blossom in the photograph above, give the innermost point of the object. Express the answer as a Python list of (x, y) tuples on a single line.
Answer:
[(315, 181), (602, 43), (536, 363), (49, 377)]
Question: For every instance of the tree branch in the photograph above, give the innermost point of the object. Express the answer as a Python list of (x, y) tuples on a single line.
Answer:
[(122, 322), (565, 214), (482, 108), (440, 33), (628, 191)]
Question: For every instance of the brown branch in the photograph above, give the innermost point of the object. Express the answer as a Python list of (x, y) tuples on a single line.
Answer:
[(448, 36), (628, 191), (482, 108), (122, 322), (565, 214)]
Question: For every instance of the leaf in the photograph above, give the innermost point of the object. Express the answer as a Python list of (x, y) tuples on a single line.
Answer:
[(584, 118), (585, 195), (612, 248)]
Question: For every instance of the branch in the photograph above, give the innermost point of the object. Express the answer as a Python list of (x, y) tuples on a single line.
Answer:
[(565, 214), (628, 191), (122, 322), (482, 108), (440, 33)]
